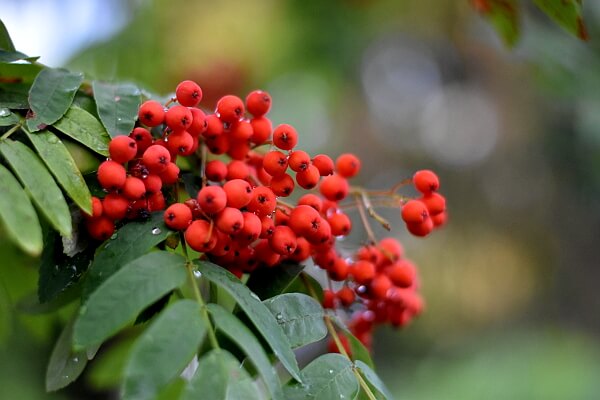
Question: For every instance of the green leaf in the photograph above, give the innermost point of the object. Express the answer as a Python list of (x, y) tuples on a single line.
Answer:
[(328, 377), (258, 313), (51, 96), (36, 179), (117, 106), (163, 350), (269, 282), (235, 330), (300, 317), (65, 365), (373, 379), (84, 128), (5, 40), (503, 15), (60, 162), (358, 350), (13, 95), (130, 242), (567, 14), (299, 286), (10, 56), (18, 215), (127, 292), (7, 118), (220, 371)]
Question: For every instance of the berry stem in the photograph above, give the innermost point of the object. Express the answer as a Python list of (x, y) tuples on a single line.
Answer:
[(170, 101), (372, 213), (11, 131), (364, 219), (203, 155)]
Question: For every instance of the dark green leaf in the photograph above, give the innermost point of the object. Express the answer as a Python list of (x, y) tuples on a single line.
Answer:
[(5, 40), (60, 162), (258, 313), (30, 304), (6, 314), (235, 330), (374, 380), (358, 350), (300, 317), (13, 95), (117, 106), (85, 128), (327, 377), (18, 215), (269, 282), (163, 350), (299, 286), (503, 15), (65, 365), (108, 369), (130, 242), (10, 56), (39, 183), (125, 294), (567, 14), (221, 372), (153, 309), (51, 96), (192, 184), (7, 118)]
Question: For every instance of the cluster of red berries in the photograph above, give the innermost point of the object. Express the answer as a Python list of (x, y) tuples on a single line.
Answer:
[(239, 219)]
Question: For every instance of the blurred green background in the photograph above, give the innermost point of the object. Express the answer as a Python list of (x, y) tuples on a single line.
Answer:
[(511, 284)]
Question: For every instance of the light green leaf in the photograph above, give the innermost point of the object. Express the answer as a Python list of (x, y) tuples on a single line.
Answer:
[(51, 96), (374, 380), (163, 350), (65, 365), (117, 106), (10, 56), (503, 15), (85, 128), (258, 313), (300, 317), (5, 40), (127, 292), (235, 330), (328, 377), (358, 350), (60, 162), (7, 118), (18, 216), (567, 14), (39, 183), (130, 242)]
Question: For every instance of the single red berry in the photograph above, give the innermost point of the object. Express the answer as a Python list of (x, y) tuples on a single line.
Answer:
[(178, 118), (391, 248), (100, 228), (299, 160), (212, 199), (218, 144), (275, 163), (426, 181), (155, 202), (230, 108), (261, 130), (328, 299), (178, 216), (332, 346), (199, 124), (283, 241), (303, 250), (152, 183), (339, 270), (263, 201), (241, 130), (415, 211), (402, 273), (435, 203), (341, 224), (156, 158), (200, 236), (180, 143), (324, 164), (188, 93), (312, 200), (214, 127), (215, 170), (265, 254), (238, 149), (122, 149), (363, 271), (111, 175), (134, 188), (303, 219), (439, 219), (258, 103), (308, 178), (114, 206), (346, 296), (151, 113), (347, 165), (239, 193), (252, 227), (334, 187), (380, 286), (267, 226), (143, 139), (96, 208), (237, 169), (230, 220), (285, 137), (282, 185), (420, 229)]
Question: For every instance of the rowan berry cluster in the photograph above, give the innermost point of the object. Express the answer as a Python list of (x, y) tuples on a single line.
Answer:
[(239, 218)]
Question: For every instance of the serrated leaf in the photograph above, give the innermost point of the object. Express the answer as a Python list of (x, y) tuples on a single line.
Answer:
[(60, 162), (130, 242), (235, 330), (5, 40), (220, 371), (83, 127), (328, 377), (39, 183), (18, 215), (117, 106), (300, 317), (358, 350), (7, 118), (125, 294), (503, 15), (256, 311), (269, 282), (163, 350), (65, 365), (374, 380), (51, 96), (567, 14)]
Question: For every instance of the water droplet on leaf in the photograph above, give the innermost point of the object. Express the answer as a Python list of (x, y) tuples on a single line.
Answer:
[(279, 317), (4, 112), (156, 231)]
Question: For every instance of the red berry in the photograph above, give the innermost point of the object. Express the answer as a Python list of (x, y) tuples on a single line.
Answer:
[(237, 169), (275, 163), (339, 270), (200, 236), (340, 224), (324, 164), (198, 125), (252, 227), (122, 149), (214, 127), (346, 296), (435, 203), (303, 250), (347, 165), (188, 93), (100, 228), (414, 211), (134, 188), (308, 178), (156, 158), (114, 206), (261, 129), (152, 183), (363, 271), (96, 208), (230, 220), (439, 219), (402, 274), (178, 118), (258, 103), (151, 113), (111, 175), (312, 200), (156, 202), (218, 144), (212, 199), (285, 137), (170, 175), (143, 139), (282, 185), (420, 229), (178, 216), (334, 187), (180, 143), (299, 160), (380, 286), (328, 299), (426, 181), (230, 108), (263, 201), (241, 130), (239, 193), (391, 248), (267, 227), (283, 241), (215, 170)]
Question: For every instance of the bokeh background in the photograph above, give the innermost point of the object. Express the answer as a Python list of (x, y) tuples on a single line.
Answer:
[(511, 284)]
